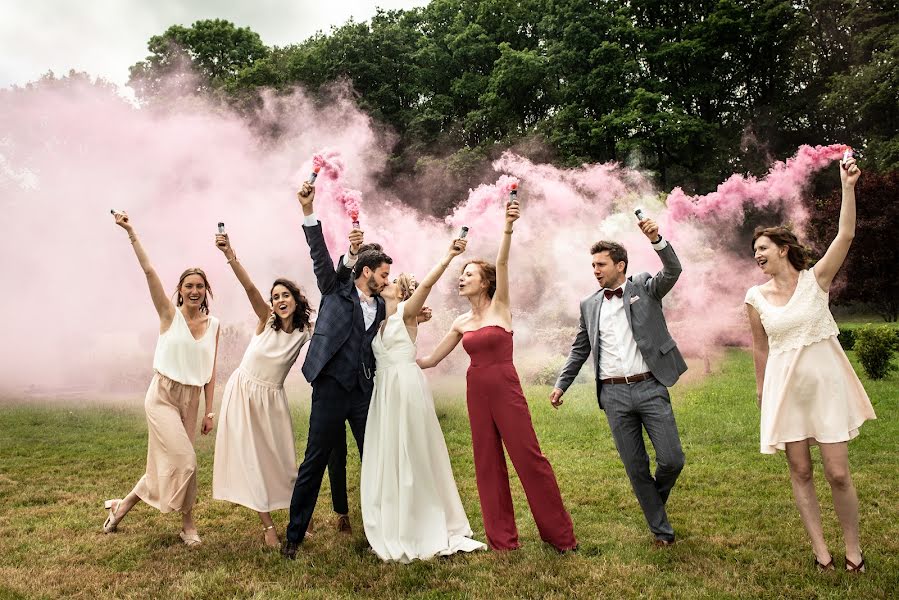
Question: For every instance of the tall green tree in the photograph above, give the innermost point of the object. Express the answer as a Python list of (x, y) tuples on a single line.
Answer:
[(195, 59)]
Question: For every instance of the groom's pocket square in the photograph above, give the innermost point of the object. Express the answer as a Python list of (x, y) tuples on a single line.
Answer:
[(634, 299)]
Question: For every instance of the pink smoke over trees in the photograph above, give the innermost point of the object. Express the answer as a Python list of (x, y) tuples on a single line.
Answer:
[(71, 150)]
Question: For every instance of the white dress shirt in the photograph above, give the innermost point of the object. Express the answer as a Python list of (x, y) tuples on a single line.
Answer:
[(618, 352)]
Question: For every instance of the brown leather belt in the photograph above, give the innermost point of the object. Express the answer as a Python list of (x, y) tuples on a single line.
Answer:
[(628, 379)]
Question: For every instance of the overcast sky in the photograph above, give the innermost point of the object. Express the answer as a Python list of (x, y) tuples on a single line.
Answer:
[(105, 37)]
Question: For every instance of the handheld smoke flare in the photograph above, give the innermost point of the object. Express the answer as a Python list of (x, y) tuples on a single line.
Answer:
[(463, 233), (513, 193), (640, 215), (847, 154), (221, 227), (314, 175)]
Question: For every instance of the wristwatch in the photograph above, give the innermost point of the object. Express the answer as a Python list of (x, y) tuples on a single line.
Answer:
[(210, 415)]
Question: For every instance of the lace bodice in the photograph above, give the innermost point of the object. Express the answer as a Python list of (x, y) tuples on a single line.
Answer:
[(802, 321)]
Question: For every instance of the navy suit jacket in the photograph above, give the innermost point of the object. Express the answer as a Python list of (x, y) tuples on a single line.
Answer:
[(335, 313)]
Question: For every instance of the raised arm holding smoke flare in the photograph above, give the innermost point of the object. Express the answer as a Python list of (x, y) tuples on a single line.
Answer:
[(255, 426), (184, 366), (807, 390), (340, 364), (636, 359), (497, 408), (262, 308)]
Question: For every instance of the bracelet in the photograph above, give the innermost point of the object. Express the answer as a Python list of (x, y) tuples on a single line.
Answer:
[(232, 260), (509, 232), (132, 237), (210, 415)]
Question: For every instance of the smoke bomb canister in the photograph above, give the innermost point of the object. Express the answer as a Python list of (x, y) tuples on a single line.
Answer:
[(314, 175), (640, 215), (847, 154), (355, 224), (221, 227), (463, 233)]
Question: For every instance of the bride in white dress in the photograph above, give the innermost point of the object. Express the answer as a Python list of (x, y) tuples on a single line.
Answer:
[(410, 505)]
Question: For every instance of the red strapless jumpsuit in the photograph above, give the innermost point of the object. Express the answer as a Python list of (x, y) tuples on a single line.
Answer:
[(498, 412)]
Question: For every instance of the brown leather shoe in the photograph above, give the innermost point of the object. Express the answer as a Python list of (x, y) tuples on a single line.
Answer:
[(343, 524), (662, 543)]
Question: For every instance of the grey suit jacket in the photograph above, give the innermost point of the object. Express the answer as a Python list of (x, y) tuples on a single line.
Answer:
[(642, 298)]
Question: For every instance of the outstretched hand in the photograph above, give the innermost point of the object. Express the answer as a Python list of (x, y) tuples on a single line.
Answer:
[(222, 242), (306, 194), (849, 172), (457, 247), (513, 212), (424, 315), (207, 426), (650, 229), (121, 219), (357, 238)]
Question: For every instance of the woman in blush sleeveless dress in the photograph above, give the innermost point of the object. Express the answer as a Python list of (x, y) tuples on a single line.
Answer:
[(807, 390), (184, 365), (497, 408), (410, 504), (255, 457)]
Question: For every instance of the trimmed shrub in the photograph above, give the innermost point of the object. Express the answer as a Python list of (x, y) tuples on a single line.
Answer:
[(847, 338), (874, 347), (549, 372)]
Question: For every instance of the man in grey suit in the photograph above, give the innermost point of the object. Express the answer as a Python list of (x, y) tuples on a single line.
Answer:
[(636, 360)]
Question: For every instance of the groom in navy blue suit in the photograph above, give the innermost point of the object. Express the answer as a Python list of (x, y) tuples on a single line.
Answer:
[(340, 364)]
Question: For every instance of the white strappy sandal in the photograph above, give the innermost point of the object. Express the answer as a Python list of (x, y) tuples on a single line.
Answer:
[(190, 539)]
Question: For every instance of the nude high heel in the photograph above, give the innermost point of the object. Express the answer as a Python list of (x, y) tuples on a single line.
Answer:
[(111, 524)]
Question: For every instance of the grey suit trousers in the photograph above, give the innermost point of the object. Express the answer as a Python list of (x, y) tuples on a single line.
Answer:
[(630, 408)]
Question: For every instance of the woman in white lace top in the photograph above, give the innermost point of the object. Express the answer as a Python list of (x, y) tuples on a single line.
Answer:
[(808, 392)]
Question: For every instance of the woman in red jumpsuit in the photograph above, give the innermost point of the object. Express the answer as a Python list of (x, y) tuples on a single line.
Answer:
[(498, 410)]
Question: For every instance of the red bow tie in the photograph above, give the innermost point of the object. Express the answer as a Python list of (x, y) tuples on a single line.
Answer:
[(617, 292)]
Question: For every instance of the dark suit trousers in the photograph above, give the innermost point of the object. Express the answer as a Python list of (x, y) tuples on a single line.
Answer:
[(630, 408), (332, 406)]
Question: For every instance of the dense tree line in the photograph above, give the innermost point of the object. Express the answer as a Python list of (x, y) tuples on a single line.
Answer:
[(691, 91)]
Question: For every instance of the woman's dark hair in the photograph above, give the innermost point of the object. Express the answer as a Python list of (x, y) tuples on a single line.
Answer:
[(488, 273), (303, 313), (204, 307), (798, 255)]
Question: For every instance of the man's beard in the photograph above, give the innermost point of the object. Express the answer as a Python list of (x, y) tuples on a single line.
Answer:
[(372, 286)]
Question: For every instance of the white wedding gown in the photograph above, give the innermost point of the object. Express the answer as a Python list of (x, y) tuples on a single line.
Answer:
[(410, 505)]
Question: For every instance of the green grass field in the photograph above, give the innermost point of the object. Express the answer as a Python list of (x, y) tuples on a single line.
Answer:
[(739, 533)]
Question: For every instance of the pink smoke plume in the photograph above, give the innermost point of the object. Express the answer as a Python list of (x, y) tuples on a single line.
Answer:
[(782, 186), (329, 162), (352, 202), (487, 201), (71, 151)]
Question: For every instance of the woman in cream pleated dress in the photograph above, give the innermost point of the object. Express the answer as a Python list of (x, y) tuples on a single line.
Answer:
[(184, 365), (808, 392), (255, 458)]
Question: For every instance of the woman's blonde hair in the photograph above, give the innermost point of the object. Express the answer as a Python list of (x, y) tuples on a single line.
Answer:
[(406, 284)]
